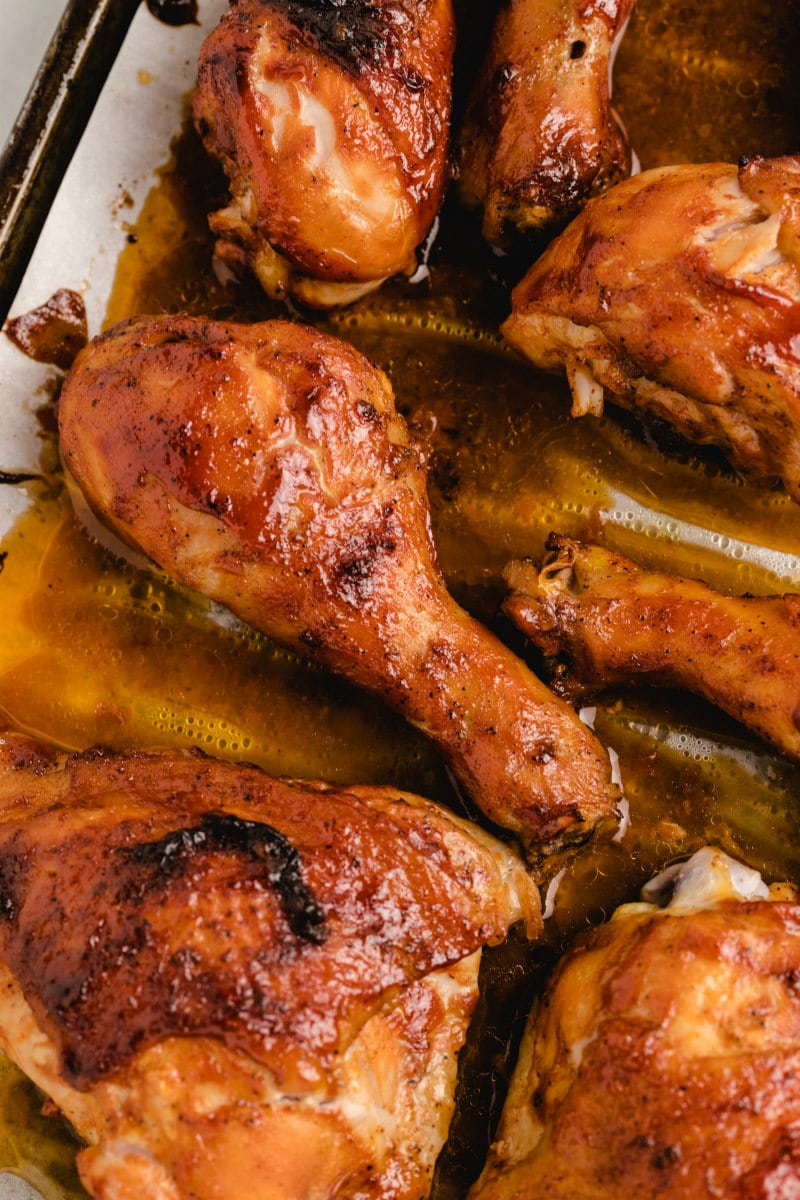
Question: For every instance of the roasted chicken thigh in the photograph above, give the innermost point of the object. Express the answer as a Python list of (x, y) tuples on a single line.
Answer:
[(267, 467), (331, 121), (677, 292), (664, 1059), (540, 136), (238, 986), (602, 621)]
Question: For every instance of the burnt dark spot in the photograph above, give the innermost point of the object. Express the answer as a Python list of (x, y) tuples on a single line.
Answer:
[(368, 412), (219, 504), (311, 639), (174, 12), (13, 875), (666, 1157), (505, 74), (577, 49), (221, 833), (354, 34), (412, 80)]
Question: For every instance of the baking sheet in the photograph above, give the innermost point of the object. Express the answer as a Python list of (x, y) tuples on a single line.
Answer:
[(515, 467)]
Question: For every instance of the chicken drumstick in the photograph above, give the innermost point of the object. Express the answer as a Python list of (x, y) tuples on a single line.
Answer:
[(604, 621), (332, 124), (540, 136), (266, 466)]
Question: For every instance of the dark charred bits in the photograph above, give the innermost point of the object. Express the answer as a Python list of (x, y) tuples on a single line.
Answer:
[(354, 34), (174, 12), (52, 333), (222, 833)]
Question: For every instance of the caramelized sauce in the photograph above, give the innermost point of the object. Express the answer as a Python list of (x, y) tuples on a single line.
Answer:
[(52, 333), (174, 12), (98, 650)]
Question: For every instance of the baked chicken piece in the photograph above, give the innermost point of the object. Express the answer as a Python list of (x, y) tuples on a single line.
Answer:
[(238, 986), (664, 1059), (331, 121), (540, 136), (678, 293), (267, 467), (602, 621)]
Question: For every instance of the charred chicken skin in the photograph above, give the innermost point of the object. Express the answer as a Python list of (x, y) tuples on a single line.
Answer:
[(664, 1059), (678, 293), (238, 986), (332, 124), (267, 467), (540, 136), (602, 621)]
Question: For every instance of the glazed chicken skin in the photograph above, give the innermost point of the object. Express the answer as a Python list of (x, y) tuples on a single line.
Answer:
[(677, 293), (664, 1059), (267, 467), (601, 621), (238, 986), (540, 136), (332, 124)]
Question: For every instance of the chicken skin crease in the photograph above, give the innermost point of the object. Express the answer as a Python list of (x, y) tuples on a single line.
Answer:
[(267, 467), (540, 136), (234, 985), (602, 621), (664, 1059), (678, 293), (331, 121)]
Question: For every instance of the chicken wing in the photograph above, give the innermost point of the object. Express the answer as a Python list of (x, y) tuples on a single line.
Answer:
[(665, 1058), (266, 466), (540, 136), (332, 124), (238, 986), (678, 293), (603, 621)]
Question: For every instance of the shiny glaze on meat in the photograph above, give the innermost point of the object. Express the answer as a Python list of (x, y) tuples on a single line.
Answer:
[(663, 1060), (332, 124), (183, 935), (602, 621), (540, 136), (266, 466), (678, 293)]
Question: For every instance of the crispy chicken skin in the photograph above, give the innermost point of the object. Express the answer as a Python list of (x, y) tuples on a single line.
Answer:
[(239, 986), (678, 293), (540, 136), (331, 121), (267, 467), (664, 1060), (602, 621)]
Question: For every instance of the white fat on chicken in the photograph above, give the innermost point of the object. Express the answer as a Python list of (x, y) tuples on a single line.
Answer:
[(362, 194)]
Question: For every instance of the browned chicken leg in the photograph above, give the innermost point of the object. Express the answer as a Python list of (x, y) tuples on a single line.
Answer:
[(678, 293), (266, 466), (602, 621), (665, 1058), (332, 123), (235, 986), (540, 136)]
